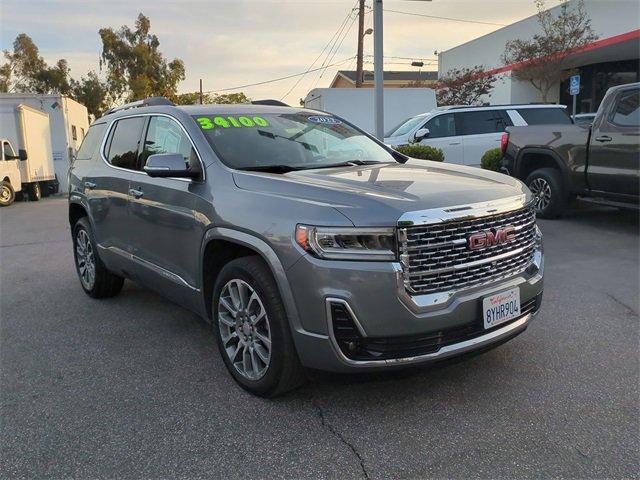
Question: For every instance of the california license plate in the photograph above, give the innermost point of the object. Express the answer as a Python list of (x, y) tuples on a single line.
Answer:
[(501, 307)]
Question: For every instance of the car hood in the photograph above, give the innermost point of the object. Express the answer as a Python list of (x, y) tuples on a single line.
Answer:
[(377, 195)]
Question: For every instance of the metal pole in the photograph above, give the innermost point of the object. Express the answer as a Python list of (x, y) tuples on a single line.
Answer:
[(574, 108), (378, 69), (360, 44), (201, 99)]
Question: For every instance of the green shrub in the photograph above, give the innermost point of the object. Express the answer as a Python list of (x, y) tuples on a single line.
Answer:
[(424, 152), (492, 159)]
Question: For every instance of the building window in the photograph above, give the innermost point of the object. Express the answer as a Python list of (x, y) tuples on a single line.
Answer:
[(81, 133), (74, 132)]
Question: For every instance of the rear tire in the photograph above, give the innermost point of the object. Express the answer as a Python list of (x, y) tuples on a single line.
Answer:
[(7, 194), (95, 279), (551, 199), (35, 191), (252, 329)]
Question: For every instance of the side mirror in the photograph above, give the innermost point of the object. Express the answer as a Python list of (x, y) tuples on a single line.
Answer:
[(168, 165), (420, 135), (22, 154)]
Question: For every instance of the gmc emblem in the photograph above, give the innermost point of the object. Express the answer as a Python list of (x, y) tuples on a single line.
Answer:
[(489, 238)]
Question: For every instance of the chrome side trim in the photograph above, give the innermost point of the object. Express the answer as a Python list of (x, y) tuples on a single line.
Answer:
[(445, 352), (331, 300), (163, 272), (103, 145), (462, 212)]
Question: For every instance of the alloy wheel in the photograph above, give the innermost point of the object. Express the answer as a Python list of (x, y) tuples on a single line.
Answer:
[(541, 191), (85, 259), (244, 329)]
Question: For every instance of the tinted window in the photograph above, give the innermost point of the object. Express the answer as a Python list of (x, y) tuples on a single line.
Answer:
[(544, 116), (8, 151), (123, 151), (627, 111), (91, 142), (164, 135), (441, 126), (483, 121)]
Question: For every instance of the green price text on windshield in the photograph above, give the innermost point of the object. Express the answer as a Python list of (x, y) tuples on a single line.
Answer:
[(207, 123)]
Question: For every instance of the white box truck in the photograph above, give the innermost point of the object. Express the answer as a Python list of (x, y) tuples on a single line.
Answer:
[(356, 104), (26, 131)]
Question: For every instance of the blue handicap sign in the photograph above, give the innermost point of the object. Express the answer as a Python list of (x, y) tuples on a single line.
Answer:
[(574, 85)]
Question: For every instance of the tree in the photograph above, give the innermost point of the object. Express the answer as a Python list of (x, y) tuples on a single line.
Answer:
[(26, 70), (92, 93), (135, 66), (193, 98), (542, 60), (464, 86)]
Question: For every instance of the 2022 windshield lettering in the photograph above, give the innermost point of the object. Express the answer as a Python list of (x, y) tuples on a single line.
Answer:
[(207, 123)]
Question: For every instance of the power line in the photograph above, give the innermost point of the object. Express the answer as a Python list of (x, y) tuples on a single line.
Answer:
[(331, 40), (280, 78), (445, 18), (337, 47)]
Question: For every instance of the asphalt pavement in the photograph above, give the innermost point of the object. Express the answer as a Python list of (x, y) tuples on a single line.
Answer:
[(134, 387)]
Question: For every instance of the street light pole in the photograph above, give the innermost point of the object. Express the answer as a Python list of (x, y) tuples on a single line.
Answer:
[(378, 71)]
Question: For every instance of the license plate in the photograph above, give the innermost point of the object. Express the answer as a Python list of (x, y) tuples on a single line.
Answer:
[(501, 307)]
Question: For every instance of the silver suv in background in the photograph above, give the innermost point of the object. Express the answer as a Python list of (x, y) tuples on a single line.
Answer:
[(465, 133), (303, 240)]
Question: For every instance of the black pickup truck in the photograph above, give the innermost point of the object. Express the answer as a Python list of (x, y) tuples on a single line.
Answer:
[(598, 162)]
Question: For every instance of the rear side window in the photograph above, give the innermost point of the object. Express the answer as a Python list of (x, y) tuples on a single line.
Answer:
[(544, 116), (627, 111), (483, 121), (125, 138), (91, 141), (164, 135), (441, 126)]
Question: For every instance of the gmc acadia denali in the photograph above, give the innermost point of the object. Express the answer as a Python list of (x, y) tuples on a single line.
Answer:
[(303, 240)]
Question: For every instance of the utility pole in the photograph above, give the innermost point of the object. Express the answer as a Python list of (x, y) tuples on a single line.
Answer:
[(378, 69), (201, 99), (359, 68)]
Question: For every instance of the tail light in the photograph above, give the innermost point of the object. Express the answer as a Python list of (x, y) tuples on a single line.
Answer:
[(504, 141)]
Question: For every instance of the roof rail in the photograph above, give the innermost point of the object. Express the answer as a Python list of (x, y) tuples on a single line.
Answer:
[(147, 102), (275, 103)]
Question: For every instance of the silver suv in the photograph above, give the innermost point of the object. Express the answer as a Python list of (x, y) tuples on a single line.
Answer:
[(303, 240)]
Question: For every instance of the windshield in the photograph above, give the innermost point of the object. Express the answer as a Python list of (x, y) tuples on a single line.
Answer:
[(295, 140), (406, 126)]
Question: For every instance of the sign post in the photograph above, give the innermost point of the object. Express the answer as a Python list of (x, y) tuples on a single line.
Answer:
[(574, 90)]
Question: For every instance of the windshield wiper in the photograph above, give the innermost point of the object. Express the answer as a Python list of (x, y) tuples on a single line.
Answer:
[(350, 163), (271, 168)]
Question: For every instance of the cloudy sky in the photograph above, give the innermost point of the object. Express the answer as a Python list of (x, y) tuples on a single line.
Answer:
[(229, 43)]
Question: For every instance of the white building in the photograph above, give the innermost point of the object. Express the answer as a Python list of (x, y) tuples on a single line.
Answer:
[(69, 122), (611, 60)]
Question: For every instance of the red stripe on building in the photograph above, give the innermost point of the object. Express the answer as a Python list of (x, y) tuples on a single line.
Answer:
[(605, 42)]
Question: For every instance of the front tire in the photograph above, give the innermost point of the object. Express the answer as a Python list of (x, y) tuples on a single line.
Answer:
[(252, 329), (95, 279), (7, 194), (551, 199)]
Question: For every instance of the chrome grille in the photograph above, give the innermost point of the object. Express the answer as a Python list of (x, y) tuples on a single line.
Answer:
[(436, 257)]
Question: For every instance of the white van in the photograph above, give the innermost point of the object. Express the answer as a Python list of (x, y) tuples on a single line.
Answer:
[(465, 133), (26, 131)]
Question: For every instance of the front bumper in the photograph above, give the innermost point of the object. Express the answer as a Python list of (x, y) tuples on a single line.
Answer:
[(374, 294)]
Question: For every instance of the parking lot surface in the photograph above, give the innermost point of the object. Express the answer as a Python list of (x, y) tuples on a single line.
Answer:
[(134, 387)]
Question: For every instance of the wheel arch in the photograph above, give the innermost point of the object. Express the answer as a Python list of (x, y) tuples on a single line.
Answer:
[(221, 245), (531, 159), (76, 212)]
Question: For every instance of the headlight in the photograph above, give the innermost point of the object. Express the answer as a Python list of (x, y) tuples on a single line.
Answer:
[(348, 243)]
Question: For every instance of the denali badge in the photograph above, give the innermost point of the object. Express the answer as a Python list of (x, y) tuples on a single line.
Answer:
[(489, 238)]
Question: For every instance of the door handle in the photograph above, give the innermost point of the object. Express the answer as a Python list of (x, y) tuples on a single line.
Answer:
[(603, 138), (90, 185), (135, 193)]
